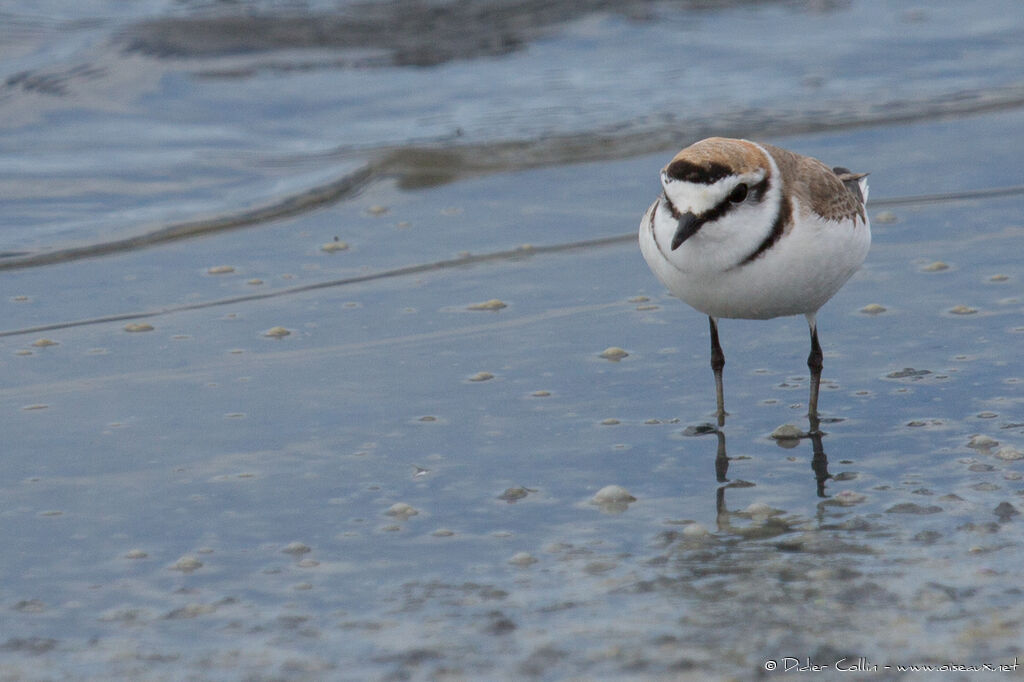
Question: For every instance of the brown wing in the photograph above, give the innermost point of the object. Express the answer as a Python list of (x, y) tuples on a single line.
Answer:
[(834, 194)]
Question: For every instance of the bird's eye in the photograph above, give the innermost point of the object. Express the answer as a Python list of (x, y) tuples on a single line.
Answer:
[(739, 193)]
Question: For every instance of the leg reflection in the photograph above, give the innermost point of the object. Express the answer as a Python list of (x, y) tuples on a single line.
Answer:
[(819, 462), (721, 459)]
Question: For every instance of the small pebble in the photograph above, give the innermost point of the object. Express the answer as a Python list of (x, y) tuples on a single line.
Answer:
[(909, 373), (760, 509), (254, 282), (695, 530), (443, 533), (911, 508), (220, 270), (401, 510), (186, 564), (787, 432), (1004, 510), (849, 497), (276, 332), (613, 353), (296, 549), (998, 278), (1009, 454), (609, 422), (540, 394), (612, 495), (963, 310), (138, 327), (873, 309), (937, 266), (30, 606), (982, 442), (135, 554), (481, 376), (639, 299), (884, 217), (522, 559), (427, 418), (700, 429), (493, 304), (336, 245), (514, 494), (44, 342), (377, 209)]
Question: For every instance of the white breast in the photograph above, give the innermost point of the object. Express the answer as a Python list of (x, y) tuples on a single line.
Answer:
[(796, 275)]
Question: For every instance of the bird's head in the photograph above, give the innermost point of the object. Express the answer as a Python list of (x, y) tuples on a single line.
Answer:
[(719, 187)]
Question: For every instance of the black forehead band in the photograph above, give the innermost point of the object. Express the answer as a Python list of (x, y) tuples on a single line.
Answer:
[(705, 173)]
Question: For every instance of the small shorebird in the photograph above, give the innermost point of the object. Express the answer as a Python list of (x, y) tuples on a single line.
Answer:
[(747, 230)]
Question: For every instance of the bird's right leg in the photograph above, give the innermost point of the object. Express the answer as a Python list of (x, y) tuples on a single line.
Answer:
[(814, 363), (717, 363)]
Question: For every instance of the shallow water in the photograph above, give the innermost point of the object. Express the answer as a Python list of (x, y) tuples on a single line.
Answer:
[(203, 501)]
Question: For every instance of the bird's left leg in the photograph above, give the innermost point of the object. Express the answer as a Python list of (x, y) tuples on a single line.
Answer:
[(717, 363)]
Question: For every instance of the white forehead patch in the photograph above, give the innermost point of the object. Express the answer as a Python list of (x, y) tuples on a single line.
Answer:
[(697, 197)]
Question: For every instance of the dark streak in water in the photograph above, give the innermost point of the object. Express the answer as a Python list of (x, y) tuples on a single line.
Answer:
[(429, 166), (509, 254), (505, 255), (346, 187)]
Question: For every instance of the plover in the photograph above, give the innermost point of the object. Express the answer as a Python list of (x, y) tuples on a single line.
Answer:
[(748, 230)]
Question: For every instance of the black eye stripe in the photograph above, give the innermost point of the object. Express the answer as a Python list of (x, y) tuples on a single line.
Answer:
[(755, 192)]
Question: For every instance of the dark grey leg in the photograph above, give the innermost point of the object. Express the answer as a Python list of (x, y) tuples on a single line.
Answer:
[(717, 363), (814, 363)]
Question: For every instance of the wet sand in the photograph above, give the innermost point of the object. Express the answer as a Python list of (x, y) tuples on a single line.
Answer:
[(375, 440), (157, 480)]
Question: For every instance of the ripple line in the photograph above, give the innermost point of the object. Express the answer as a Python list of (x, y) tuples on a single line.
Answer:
[(452, 263)]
